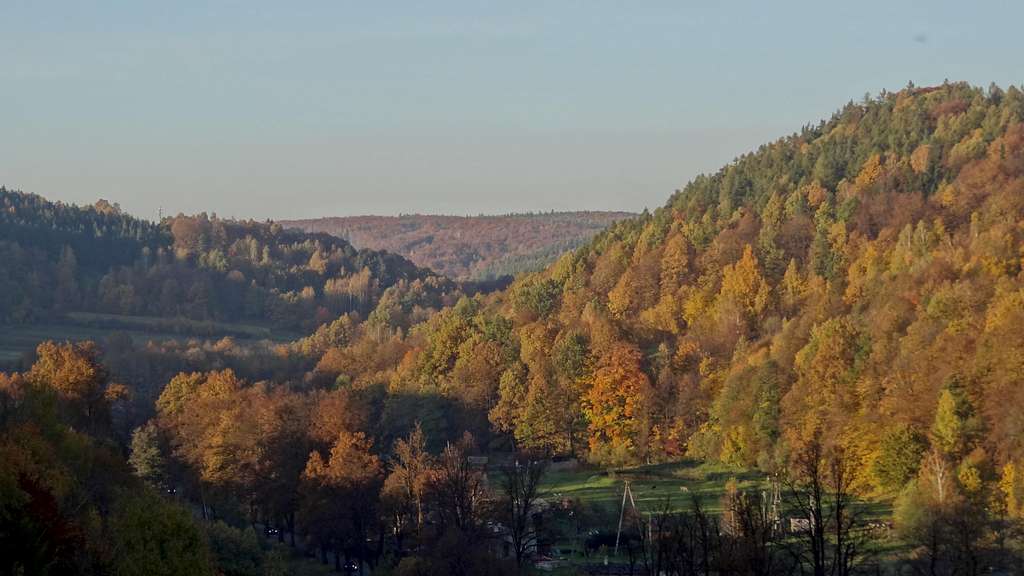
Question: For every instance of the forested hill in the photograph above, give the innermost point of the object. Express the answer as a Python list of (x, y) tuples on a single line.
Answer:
[(857, 283), (61, 258), (470, 247)]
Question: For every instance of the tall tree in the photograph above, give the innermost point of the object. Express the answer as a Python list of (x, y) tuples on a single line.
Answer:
[(614, 404), (406, 485), (457, 489), (340, 496), (520, 486), (146, 459), (75, 372), (820, 491)]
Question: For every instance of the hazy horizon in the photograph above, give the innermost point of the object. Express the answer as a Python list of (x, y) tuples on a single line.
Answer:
[(256, 111)]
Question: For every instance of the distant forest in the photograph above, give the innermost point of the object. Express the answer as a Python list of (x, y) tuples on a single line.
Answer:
[(61, 258), (470, 247)]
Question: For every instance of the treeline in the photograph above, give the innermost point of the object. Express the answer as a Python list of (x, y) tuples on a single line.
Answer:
[(470, 247), (61, 258)]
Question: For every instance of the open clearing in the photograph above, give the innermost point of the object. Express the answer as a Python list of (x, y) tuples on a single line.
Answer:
[(655, 487), (17, 340), (652, 486), (676, 483)]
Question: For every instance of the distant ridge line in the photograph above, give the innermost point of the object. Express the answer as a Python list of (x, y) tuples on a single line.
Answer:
[(480, 247)]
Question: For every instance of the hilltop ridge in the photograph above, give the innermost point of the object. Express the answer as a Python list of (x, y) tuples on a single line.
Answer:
[(479, 247)]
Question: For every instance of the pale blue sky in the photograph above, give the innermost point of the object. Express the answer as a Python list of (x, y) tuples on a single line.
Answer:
[(300, 109)]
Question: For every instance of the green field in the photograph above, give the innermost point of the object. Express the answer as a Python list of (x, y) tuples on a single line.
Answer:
[(17, 340), (675, 485), (180, 326), (652, 486)]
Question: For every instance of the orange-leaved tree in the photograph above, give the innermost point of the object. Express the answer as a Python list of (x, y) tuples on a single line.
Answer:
[(614, 404)]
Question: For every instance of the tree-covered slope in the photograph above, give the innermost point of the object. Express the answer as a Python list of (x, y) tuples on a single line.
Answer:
[(857, 283), (470, 247), (61, 258), (840, 281)]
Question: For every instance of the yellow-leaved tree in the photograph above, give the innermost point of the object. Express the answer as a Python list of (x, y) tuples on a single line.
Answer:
[(744, 294), (614, 405)]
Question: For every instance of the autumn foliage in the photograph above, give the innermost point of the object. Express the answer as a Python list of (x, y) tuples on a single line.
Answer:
[(841, 307)]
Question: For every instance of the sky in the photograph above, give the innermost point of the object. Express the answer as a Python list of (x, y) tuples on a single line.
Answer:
[(261, 109)]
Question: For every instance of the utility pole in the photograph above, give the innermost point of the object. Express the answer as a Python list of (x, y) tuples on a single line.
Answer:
[(626, 491)]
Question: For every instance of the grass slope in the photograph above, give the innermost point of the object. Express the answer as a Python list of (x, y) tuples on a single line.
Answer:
[(653, 485), (17, 340)]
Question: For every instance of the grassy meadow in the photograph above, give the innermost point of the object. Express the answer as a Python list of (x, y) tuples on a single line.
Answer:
[(652, 486), (17, 340), (673, 486)]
